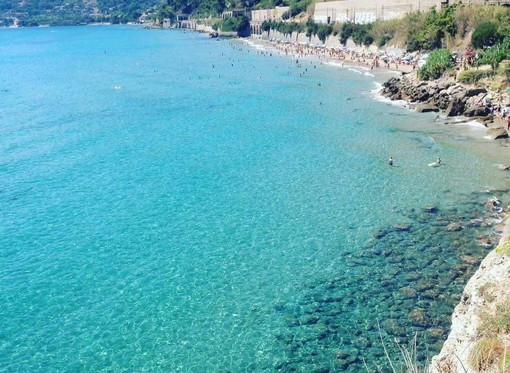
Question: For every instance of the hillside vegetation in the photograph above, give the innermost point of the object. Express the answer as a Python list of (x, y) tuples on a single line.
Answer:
[(69, 12)]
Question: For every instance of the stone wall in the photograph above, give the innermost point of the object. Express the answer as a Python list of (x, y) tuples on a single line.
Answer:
[(331, 41)]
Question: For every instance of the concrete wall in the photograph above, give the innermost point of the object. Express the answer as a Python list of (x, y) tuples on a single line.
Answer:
[(365, 11), (261, 15), (331, 41)]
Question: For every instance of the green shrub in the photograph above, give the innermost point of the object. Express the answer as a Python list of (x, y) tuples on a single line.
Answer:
[(236, 24), (485, 292), (296, 7), (286, 28), (383, 41), (437, 64), (504, 69), (360, 33), (324, 31), (473, 76), (384, 31), (311, 28), (504, 248), (430, 35), (485, 35), (469, 17), (495, 54)]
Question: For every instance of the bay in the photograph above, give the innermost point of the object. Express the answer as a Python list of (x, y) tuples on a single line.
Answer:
[(174, 203)]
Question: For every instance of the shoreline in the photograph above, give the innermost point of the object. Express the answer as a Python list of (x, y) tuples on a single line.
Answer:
[(381, 75), (466, 315), (313, 293), (359, 57)]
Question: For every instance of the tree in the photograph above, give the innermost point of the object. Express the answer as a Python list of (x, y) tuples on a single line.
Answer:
[(311, 28), (323, 31), (495, 54), (485, 35), (361, 34), (437, 64)]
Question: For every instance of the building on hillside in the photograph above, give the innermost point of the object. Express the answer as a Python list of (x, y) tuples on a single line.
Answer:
[(234, 13), (365, 11), (261, 15)]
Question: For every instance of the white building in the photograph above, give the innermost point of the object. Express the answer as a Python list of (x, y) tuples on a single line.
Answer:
[(366, 11)]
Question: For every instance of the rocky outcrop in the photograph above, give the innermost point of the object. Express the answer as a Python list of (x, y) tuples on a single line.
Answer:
[(445, 95), (488, 285), (425, 108), (497, 132)]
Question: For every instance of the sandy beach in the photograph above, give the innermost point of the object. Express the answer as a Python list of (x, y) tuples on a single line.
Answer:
[(397, 61)]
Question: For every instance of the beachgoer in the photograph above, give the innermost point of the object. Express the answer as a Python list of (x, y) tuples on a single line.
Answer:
[(438, 161), (508, 122), (390, 161)]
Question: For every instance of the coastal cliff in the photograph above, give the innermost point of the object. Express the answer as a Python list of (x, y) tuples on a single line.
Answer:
[(479, 339), (451, 98), (472, 345)]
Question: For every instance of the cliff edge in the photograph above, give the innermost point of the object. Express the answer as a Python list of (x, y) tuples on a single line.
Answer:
[(479, 340)]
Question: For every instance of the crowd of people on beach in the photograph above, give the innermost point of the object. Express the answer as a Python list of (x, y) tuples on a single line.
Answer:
[(399, 61)]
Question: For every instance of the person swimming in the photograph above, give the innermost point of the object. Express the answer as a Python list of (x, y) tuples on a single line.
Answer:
[(390, 161), (438, 161)]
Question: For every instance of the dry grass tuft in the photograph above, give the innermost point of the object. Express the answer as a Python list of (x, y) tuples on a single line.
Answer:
[(487, 354), (485, 292), (497, 322)]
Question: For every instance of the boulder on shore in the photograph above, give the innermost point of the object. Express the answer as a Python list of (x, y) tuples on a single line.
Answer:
[(425, 108), (477, 111), (455, 108), (497, 133), (475, 92)]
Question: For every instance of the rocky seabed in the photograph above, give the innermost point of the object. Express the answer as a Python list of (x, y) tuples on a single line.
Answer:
[(494, 271), (405, 282)]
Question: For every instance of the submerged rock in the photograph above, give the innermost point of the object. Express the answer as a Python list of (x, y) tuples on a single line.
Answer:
[(454, 227), (380, 233), (409, 291), (431, 209), (436, 332), (402, 227), (418, 316)]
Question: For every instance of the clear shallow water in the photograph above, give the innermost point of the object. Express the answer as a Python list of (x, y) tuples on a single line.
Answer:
[(173, 203)]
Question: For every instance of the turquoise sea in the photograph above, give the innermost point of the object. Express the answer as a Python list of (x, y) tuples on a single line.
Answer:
[(174, 203)]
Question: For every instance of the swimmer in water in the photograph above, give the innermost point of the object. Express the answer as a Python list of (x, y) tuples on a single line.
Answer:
[(438, 161), (390, 161)]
